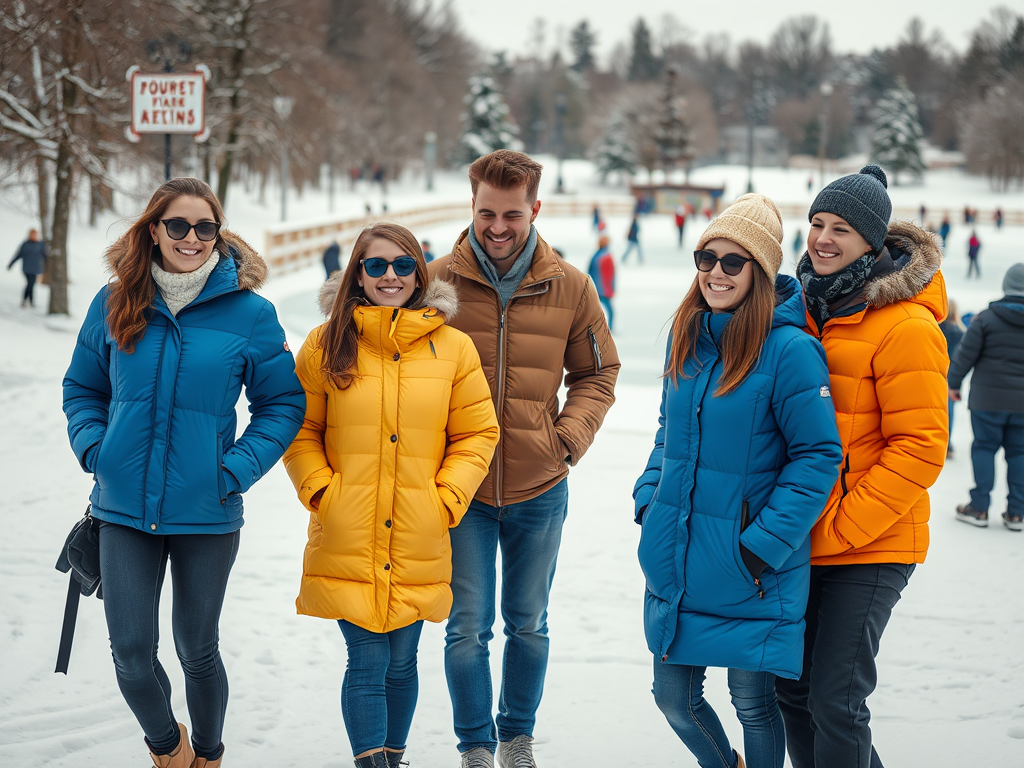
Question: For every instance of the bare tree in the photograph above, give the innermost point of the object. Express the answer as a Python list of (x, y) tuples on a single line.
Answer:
[(801, 51)]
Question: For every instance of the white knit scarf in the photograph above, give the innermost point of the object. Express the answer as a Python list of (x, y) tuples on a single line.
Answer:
[(179, 289)]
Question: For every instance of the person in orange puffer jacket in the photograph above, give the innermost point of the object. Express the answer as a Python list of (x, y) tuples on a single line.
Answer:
[(874, 296)]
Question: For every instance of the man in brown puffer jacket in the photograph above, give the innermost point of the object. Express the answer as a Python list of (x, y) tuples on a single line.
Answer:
[(533, 318)]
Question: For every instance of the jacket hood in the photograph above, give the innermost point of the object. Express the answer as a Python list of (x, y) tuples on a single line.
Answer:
[(918, 256), (440, 295), (1010, 310), (251, 268)]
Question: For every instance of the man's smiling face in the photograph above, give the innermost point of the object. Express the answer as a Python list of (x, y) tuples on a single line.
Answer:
[(501, 222)]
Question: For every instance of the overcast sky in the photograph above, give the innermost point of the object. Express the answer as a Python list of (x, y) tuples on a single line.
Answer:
[(857, 26)]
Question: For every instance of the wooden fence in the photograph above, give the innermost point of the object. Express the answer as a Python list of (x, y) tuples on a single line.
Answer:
[(294, 247)]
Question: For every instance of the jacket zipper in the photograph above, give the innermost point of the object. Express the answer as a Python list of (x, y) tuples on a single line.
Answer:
[(596, 348), (500, 373), (842, 475)]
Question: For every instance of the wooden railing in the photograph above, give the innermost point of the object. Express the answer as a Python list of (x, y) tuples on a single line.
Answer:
[(294, 247)]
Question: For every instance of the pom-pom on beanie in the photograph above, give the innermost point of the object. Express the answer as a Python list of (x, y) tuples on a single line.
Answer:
[(862, 201), (754, 222)]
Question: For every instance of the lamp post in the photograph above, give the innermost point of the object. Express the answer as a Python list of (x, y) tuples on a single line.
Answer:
[(561, 105), (283, 107), (430, 157), (168, 51), (753, 117), (826, 92)]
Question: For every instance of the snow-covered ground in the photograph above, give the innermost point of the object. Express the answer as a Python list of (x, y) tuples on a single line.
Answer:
[(951, 690)]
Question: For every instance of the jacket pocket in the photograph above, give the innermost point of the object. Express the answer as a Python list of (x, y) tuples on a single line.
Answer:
[(222, 485), (842, 477), (745, 521), (595, 348)]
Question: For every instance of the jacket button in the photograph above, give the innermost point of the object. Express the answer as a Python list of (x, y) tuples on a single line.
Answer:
[(387, 566), (152, 526), (387, 523), (394, 438), (397, 356)]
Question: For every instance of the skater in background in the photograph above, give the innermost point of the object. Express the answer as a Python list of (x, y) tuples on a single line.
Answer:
[(150, 397), (602, 272), (953, 330), (32, 254), (997, 217), (680, 218), (633, 241), (874, 296), (973, 247), (994, 348), (725, 512), (384, 475), (596, 216), (332, 259), (798, 244), (944, 230), (428, 255)]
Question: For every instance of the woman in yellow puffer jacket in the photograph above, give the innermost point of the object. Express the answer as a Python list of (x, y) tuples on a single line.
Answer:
[(399, 432), (874, 296)]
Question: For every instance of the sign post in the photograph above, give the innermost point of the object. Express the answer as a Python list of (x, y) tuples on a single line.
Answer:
[(168, 103)]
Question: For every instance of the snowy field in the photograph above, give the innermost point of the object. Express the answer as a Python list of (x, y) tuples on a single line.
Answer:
[(951, 689)]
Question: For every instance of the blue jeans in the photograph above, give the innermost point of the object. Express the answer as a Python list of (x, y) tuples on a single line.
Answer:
[(608, 311), (952, 405), (378, 693), (993, 429), (679, 694), (633, 245), (826, 711), (529, 534), (133, 564)]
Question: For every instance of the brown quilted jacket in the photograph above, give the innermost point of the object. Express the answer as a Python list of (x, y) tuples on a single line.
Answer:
[(552, 324)]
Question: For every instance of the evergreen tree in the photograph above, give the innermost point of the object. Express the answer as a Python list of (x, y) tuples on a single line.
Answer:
[(582, 40), (488, 121), (672, 137), (896, 140), (643, 64), (614, 154)]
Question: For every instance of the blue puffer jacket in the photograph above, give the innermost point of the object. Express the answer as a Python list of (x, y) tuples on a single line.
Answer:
[(753, 467), (157, 427)]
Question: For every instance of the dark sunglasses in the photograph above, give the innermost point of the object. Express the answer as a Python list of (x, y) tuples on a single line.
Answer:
[(732, 263), (177, 229), (376, 267)]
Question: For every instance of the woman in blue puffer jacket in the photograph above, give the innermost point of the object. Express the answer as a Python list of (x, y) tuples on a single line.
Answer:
[(744, 459), (150, 397)]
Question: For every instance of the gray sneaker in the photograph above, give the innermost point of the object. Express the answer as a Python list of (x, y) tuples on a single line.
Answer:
[(517, 753), (478, 757)]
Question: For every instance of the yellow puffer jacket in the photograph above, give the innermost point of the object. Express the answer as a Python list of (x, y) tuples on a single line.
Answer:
[(887, 368), (400, 453)]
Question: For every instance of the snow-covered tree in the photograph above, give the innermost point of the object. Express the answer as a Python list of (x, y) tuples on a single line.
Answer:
[(897, 136), (488, 121), (672, 136), (614, 153)]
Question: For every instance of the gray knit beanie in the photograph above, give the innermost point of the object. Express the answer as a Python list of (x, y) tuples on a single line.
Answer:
[(862, 201), (1013, 282)]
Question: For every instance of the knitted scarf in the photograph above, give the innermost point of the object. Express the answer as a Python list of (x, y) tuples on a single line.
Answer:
[(823, 291), (180, 289)]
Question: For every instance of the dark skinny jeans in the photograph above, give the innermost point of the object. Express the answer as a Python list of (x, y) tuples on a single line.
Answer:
[(133, 564)]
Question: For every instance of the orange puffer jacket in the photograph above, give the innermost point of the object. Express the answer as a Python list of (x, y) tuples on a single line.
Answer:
[(553, 326), (887, 365)]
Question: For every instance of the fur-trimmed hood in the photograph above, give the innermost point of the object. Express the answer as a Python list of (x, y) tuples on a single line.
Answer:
[(440, 295), (252, 269), (911, 279)]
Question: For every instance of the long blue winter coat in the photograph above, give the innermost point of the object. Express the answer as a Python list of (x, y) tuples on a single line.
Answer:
[(157, 427), (754, 466)]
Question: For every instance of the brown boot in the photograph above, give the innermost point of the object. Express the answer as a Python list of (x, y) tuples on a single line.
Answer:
[(202, 762), (739, 760), (181, 757)]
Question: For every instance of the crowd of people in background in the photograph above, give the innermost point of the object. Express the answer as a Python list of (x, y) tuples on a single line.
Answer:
[(797, 533)]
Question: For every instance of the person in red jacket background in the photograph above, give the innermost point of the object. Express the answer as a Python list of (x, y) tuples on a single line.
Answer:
[(602, 272)]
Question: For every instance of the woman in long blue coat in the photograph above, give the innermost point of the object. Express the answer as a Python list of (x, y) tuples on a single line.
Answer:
[(744, 458), (150, 396)]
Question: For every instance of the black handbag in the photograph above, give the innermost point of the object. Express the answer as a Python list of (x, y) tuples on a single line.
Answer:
[(81, 556)]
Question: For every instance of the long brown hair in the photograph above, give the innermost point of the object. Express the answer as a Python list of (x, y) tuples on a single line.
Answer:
[(742, 340), (340, 339), (131, 287)]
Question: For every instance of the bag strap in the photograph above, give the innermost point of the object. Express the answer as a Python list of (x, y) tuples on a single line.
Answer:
[(67, 632)]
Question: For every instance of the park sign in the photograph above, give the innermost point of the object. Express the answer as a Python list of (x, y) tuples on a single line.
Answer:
[(168, 102)]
